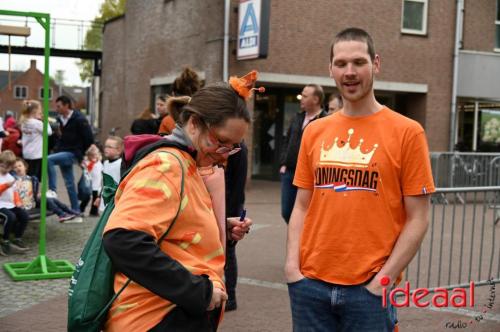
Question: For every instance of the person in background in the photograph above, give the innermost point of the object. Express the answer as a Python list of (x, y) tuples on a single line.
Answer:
[(28, 188), (32, 136), (334, 103), (15, 217), (76, 137), (113, 149), (175, 285), (185, 85), (145, 123), (311, 106), (93, 165), (9, 114), (236, 177), (13, 141)]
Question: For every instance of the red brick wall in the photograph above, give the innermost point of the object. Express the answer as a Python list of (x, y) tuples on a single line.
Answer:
[(33, 79), (479, 25), (163, 36), (156, 39), (301, 33)]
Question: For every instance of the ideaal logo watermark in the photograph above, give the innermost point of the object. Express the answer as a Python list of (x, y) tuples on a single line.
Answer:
[(441, 298), (478, 318)]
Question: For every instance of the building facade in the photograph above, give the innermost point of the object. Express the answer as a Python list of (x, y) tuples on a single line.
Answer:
[(424, 66), (29, 85)]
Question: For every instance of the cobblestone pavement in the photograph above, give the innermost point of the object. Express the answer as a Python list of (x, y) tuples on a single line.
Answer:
[(263, 303), (63, 241)]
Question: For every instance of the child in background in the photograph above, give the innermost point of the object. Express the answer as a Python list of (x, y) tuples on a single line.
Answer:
[(113, 148), (32, 136), (93, 165), (16, 218), (27, 186)]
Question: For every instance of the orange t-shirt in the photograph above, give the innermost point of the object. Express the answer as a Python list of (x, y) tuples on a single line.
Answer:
[(147, 200), (359, 169), (167, 125)]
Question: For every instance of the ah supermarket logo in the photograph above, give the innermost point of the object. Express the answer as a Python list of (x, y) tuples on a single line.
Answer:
[(249, 29)]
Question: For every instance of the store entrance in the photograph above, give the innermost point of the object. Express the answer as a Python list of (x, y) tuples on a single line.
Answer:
[(273, 113)]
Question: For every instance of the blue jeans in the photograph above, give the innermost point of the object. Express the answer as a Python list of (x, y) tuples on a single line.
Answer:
[(321, 306), (65, 161), (288, 194), (16, 219), (59, 208)]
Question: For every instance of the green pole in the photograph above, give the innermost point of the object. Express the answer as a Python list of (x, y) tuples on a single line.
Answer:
[(46, 79), (41, 267)]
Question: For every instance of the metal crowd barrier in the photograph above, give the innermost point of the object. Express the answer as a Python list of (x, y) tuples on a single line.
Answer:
[(465, 169), (461, 244)]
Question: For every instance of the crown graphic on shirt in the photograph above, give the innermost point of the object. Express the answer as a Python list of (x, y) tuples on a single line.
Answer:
[(345, 155)]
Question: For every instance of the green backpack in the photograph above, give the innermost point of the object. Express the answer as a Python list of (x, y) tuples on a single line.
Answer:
[(91, 293)]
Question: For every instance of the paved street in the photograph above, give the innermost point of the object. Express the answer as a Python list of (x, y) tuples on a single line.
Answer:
[(263, 303)]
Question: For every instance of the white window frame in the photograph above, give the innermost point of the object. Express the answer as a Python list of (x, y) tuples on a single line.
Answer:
[(40, 96), (424, 18), (20, 86), (496, 48)]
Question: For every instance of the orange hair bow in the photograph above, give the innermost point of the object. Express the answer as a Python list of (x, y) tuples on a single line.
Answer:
[(244, 85)]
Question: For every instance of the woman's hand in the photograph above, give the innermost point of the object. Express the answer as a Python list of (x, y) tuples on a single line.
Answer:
[(237, 229), (218, 295)]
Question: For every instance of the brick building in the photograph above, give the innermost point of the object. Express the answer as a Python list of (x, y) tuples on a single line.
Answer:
[(29, 85), (145, 49)]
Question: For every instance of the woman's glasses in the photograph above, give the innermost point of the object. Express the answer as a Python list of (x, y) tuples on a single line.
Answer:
[(222, 149)]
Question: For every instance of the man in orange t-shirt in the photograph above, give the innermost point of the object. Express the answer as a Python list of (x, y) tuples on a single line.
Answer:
[(361, 211)]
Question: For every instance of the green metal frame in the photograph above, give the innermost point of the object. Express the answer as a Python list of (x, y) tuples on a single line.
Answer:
[(41, 267)]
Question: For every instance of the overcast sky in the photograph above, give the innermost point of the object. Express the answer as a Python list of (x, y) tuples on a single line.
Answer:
[(66, 36)]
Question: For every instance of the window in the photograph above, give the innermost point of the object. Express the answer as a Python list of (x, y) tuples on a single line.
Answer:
[(414, 17), (497, 28), (20, 92), (41, 93)]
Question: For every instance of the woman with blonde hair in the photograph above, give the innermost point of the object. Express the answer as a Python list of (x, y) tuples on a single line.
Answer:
[(32, 136)]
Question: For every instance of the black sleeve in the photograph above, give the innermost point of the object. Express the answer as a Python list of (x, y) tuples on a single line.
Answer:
[(236, 177), (137, 255), (87, 136), (284, 145)]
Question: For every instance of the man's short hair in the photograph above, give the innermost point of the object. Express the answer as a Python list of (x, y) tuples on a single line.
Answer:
[(354, 34), (318, 92), (64, 100)]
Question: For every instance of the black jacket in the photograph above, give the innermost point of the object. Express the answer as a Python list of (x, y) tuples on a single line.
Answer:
[(145, 126), (291, 143), (76, 135), (236, 177)]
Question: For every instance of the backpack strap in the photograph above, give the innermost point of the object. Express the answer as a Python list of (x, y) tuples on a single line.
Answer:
[(142, 145), (104, 311)]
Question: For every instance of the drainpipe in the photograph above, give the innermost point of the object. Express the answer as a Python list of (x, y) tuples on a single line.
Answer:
[(476, 120), (225, 52), (458, 46)]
